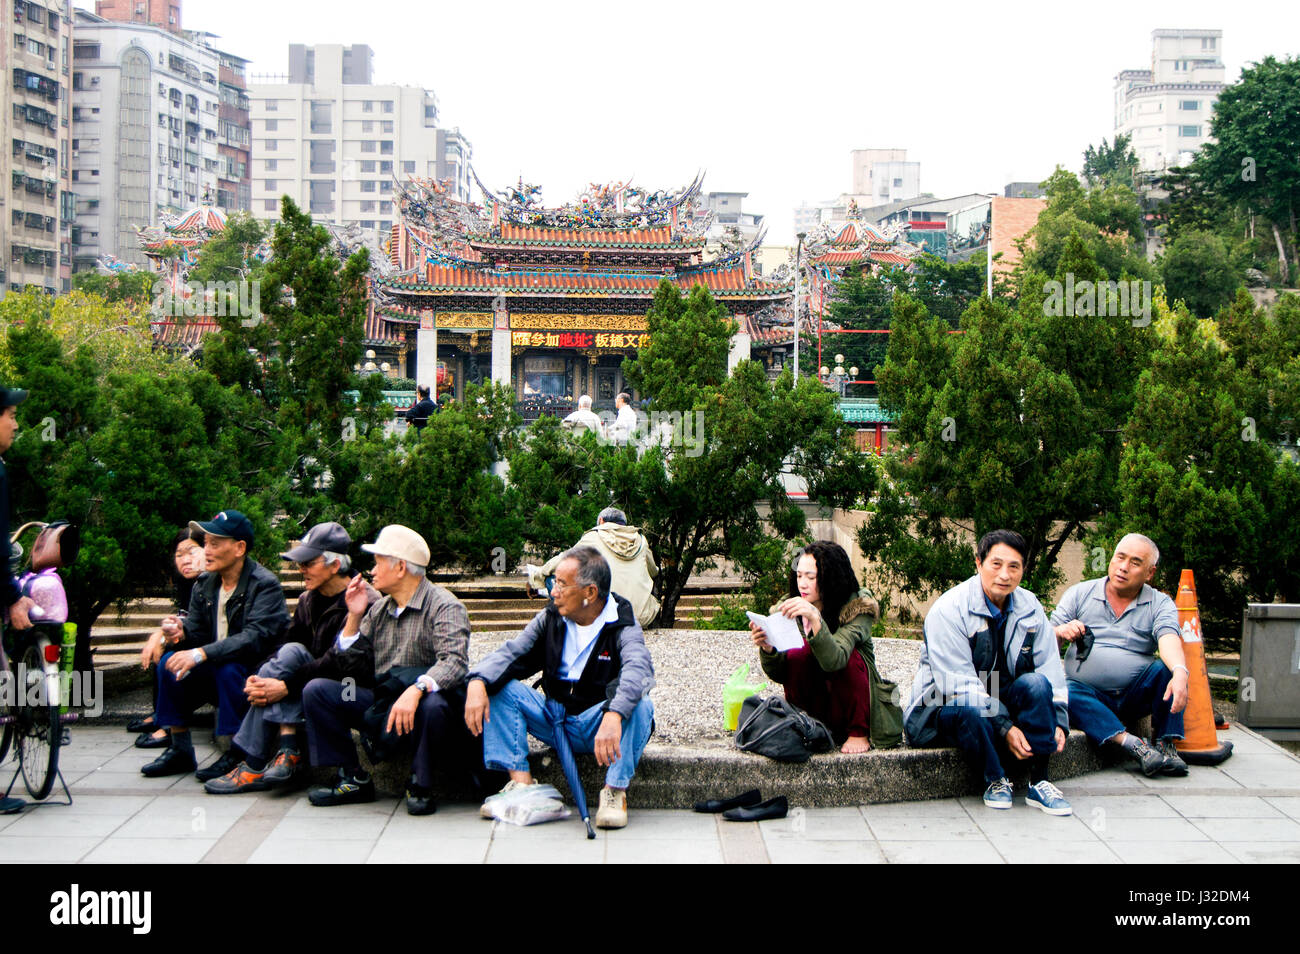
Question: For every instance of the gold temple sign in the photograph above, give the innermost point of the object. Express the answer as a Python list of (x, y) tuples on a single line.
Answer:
[(549, 321), (479, 320), (577, 339)]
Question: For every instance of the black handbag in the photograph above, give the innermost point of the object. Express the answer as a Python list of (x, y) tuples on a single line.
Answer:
[(775, 728)]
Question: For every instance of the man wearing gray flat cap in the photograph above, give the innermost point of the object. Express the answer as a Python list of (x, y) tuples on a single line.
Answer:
[(417, 638), (311, 645)]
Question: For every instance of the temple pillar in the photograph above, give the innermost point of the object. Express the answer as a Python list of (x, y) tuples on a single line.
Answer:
[(739, 350), (501, 356), (426, 353)]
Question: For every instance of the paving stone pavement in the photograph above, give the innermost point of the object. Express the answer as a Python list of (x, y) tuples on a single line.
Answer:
[(1246, 810)]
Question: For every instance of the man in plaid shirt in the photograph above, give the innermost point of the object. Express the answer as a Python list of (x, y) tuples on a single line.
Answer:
[(418, 638)]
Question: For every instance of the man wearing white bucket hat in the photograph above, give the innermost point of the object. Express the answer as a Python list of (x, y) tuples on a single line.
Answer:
[(417, 639)]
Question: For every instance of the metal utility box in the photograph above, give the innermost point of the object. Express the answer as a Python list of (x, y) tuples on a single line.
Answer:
[(1270, 658)]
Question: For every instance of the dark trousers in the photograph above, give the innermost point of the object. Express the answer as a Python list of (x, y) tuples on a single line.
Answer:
[(841, 699), (334, 710), (1028, 700), (222, 684), (1102, 715)]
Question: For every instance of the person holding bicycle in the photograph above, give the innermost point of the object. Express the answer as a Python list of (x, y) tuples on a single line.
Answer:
[(16, 606)]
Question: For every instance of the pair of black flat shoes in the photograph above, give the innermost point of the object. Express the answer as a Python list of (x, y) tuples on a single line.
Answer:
[(146, 728), (747, 806)]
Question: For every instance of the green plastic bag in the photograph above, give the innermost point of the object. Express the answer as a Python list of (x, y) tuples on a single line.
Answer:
[(734, 692)]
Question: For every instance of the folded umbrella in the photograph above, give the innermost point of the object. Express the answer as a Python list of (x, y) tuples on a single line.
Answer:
[(559, 717)]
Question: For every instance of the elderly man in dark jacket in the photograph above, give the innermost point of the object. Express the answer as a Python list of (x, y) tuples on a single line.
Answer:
[(593, 659), (236, 617), (275, 692)]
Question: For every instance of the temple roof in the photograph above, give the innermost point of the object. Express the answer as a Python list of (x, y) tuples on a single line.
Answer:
[(439, 278), (655, 238), (202, 218)]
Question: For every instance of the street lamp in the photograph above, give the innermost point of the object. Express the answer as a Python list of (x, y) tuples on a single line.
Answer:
[(837, 377)]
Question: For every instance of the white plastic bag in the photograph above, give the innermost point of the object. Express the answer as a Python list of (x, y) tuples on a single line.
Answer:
[(532, 805)]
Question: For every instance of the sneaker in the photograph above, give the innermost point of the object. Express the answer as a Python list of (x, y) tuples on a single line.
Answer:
[(998, 794), (419, 800), (283, 767), (346, 790), (1174, 764), (1152, 762), (1048, 797), (222, 766), (10, 805), (239, 779), (613, 808), (174, 761), (485, 810)]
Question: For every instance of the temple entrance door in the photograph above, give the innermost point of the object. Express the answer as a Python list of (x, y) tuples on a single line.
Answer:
[(606, 388)]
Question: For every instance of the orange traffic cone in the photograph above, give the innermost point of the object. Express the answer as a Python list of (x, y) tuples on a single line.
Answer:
[(1202, 745)]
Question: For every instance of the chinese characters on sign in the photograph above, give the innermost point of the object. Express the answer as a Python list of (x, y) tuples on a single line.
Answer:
[(577, 339)]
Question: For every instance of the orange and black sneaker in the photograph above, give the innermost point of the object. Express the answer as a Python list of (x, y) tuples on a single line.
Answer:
[(241, 778), (283, 768)]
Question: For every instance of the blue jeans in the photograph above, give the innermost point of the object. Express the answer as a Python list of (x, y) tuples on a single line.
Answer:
[(251, 737), (1028, 701), (222, 684), (1102, 715), (517, 711)]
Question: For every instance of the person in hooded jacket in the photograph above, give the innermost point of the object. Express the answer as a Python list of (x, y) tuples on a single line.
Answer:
[(631, 563)]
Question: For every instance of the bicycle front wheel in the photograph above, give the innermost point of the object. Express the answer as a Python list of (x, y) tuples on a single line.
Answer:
[(39, 732)]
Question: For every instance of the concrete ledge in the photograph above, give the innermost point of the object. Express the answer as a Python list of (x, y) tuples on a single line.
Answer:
[(679, 776)]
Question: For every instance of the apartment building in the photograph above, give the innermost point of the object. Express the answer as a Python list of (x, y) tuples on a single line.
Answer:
[(337, 143), (1166, 109), (36, 201)]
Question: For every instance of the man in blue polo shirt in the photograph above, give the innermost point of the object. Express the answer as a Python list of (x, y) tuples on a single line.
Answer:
[(1118, 678)]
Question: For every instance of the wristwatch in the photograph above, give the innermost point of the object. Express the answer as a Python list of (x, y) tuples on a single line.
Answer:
[(426, 684), (197, 656)]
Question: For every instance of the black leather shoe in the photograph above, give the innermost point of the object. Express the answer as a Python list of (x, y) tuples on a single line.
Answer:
[(220, 767), (772, 808), (715, 805), (141, 725), (171, 762), (419, 801), (146, 741)]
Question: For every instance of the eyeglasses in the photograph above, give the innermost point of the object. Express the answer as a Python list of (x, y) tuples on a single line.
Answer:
[(310, 563)]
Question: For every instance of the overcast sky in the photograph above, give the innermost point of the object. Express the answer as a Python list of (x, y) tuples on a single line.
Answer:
[(766, 98)]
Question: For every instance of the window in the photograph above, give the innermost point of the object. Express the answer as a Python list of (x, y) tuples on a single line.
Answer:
[(367, 145), (272, 125), (367, 185), (367, 126), (1189, 104), (1189, 131), (367, 106), (387, 126), (386, 187), (386, 208), (386, 147), (368, 165), (1207, 42), (272, 105), (33, 13), (269, 185), (54, 20), (269, 165), (270, 205), (367, 206), (408, 167), (368, 223), (386, 168), (270, 145), (388, 105)]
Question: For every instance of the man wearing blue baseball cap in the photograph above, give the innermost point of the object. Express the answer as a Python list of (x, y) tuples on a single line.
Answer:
[(236, 617), (11, 595)]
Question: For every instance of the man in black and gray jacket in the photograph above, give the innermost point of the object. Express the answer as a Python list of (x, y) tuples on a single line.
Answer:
[(593, 659), (237, 615)]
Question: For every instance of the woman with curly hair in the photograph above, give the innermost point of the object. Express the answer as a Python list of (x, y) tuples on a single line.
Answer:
[(830, 676)]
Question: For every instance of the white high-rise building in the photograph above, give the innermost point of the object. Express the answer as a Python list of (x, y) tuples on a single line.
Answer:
[(336, 143), (145, 117), (1166, 109), (884, 175)]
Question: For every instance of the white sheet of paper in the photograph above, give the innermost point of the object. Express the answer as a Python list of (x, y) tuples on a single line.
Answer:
[(782, 632)]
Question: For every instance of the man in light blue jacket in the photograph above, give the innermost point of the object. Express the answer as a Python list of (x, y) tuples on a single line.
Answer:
[(991, 674)]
